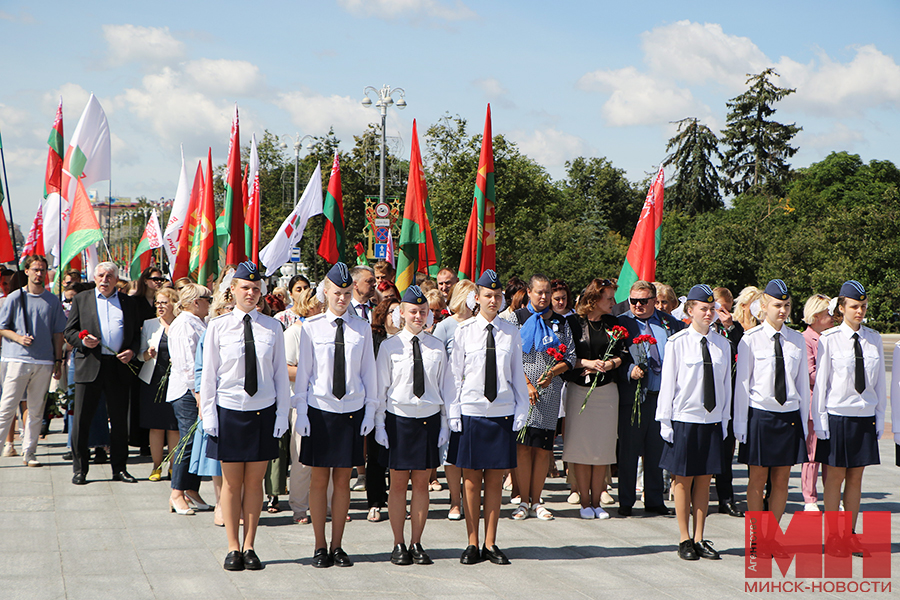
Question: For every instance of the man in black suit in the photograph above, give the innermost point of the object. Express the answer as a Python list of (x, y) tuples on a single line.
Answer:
[(642, 438), (102, 354)]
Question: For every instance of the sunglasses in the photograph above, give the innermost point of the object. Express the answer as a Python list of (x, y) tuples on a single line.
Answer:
[(640, 301), (157, 279)]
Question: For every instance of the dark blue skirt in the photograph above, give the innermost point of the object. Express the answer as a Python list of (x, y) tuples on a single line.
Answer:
[(244, 436), (484, 443), (852, 442), (697, 450), (773, 439), (413, 442), (334, 440)]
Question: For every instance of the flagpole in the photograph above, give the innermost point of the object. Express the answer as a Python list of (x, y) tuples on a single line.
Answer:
[(108, 212), (12, 231)]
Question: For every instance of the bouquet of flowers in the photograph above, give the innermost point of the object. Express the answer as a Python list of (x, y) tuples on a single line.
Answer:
[(84, 333), (58, 403), (643, 343), (615, 334), (557, 355)]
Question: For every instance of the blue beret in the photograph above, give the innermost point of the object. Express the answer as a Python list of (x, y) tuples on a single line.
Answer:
[(778, 290), (853, 290), (701, 292), (340, 275), (414, 295), (247, 270), (489, 279)]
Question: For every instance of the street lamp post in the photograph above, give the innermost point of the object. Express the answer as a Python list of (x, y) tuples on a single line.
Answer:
[(384, 101)]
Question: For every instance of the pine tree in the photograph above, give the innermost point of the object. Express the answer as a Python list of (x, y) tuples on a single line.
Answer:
[(756, 147), (697, 181)]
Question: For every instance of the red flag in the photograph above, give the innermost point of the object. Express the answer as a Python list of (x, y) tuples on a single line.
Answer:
[(34, 243), (331, 247), (53, 174), (7, 253), (205, 249), (479, 251), (186, 237), (232, 238), (640, 262), (251, 215)]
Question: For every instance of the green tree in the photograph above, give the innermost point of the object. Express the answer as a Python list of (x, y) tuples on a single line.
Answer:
[(697, 182), (603, 195), (757, 147)]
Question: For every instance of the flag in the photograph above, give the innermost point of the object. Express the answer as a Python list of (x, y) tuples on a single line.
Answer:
[(53, 173), (151, 240), (640, 262), (181, 266), (34, 243), (231, 234), (177, 217), (251, 218), (479, 251), (7, 252), (390, 250), (418, 250), (205, 250), (332, 247), (361, 254), (278, 251), (83, 230), (87, 161)]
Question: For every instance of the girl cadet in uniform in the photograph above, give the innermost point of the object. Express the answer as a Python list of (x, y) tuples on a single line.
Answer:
[(335, 409), (771, 401), (693, 411), (411, 422), (491, 402), (848, 405), (245, 397)]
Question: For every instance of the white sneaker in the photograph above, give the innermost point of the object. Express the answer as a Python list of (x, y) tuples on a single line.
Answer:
[(811, 507), (9, 450), (588, 513), (360, 484), (574, 498), (600, 513), (30, 460), (605, 498)]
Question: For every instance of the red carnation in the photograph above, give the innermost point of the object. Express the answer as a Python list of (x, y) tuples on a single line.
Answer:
[(551, 351), (620, 332), (83, 334), (651, 339), (562, 348)]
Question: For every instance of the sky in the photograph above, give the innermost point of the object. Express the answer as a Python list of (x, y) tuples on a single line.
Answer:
[(577, 78)]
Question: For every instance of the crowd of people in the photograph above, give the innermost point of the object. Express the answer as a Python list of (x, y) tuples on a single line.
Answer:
[(284, 394)]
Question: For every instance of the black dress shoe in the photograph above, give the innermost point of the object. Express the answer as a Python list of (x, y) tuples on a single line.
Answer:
[(495, 555), (68, 455), (340, 558), (321, 559), (686, 550), (79, 479), (234, 561), (662, 509), (100, 456), (251, 561), (419, 556), (730, 508), (124, 476), (400, 555), (624, 511), (856, 548), (704, 549), (470, 556)]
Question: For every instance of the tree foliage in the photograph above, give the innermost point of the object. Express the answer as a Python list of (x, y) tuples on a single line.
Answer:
[(697, 182)]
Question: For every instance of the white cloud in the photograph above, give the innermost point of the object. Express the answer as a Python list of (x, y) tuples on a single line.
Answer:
[(74, 99), (395, 9), (839, 137), (133, 43), (225, 77), (314, 114), (640, 99), (551, 147)]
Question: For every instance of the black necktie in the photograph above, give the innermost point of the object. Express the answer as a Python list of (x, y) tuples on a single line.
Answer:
[(780, 387), (490, 366), (709, 382), (418, 369), (860, 365), (339, 377), (250, 381), (365, 312)]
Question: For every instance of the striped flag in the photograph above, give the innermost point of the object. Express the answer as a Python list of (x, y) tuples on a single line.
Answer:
[(640, 262), (479, 252)]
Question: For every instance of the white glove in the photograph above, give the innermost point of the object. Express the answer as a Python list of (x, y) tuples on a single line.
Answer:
[(519, 422), (381, 437), (666, 431), (878, 434), (211, 431), (302, 424), (444, 436), (368, 425), (741, 437), (822, 435), (281, 427), (455, 425), (211, 425)]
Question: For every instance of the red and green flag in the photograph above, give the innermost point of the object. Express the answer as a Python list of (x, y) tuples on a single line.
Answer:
[(83, 231), (418, 250), (231, 234), (251, 216), (361, 254), (640, 262), (182, 266), (53, 174), (150, 241), (205, 250), (332, 247), (479, 251)]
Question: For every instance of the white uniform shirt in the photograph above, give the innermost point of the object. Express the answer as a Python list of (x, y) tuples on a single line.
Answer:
[(895, 398), (222, 381), (292, 347), (184, 335), (835, 390), (395, 378), (467, 366), (755, 383), (681, 385), (315, 366)]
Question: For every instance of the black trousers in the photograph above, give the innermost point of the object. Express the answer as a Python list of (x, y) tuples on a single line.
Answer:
[(376, 473), (114, 382), (635, 441), (724, 487)]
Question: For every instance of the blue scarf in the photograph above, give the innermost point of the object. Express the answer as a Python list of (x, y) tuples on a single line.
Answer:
[(536, 333)]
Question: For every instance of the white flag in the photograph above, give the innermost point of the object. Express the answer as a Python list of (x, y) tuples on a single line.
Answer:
[(178, 217), (278, 251), (154, 231), (390, 249)]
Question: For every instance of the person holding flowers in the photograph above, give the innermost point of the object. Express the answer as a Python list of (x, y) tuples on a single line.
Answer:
[(592, 401), (547, 352)]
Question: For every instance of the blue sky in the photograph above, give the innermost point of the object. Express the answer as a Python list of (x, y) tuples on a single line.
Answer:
[(584, 78)]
